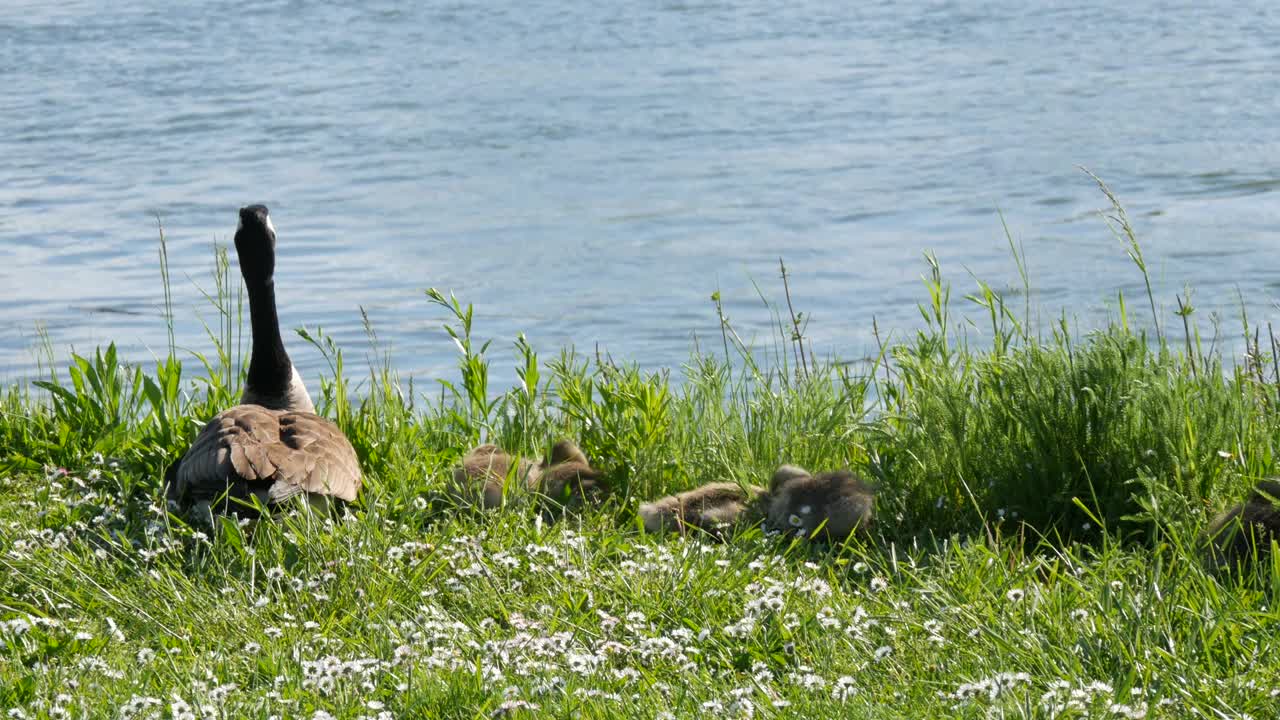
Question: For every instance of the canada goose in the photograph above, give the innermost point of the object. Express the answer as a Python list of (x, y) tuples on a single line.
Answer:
[(272, 446), (710, 508), (1245, 531), (830, 505), (564, 475)]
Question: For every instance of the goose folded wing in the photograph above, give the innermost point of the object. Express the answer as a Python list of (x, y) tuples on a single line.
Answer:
[(312, 455), (230, 455), (273, 454)]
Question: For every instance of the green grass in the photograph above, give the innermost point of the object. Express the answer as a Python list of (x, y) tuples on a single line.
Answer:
[(1041, 492)]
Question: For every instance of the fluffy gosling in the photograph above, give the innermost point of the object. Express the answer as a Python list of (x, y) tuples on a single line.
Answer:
[(830, 505), (1244, 532), (565, 476), (710, 508)]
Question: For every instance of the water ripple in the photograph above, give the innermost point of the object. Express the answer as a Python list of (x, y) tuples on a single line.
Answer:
[(590, 174)]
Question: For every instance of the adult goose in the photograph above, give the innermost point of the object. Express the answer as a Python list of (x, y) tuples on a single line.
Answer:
[(272, 446)]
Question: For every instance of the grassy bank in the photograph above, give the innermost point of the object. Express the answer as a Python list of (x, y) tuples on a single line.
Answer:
[(1041, 494)]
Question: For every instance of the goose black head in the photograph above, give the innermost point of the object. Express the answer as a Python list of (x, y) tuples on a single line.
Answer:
[(256, 244)]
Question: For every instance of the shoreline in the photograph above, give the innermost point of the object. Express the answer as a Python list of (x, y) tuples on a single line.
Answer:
[(1040, 505)]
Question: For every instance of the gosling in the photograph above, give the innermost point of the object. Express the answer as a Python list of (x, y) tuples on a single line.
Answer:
[(566, 476), (711, 508), (1244, 532), (829, 506)]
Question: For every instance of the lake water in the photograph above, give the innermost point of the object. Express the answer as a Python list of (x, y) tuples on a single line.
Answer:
[(589, 173)]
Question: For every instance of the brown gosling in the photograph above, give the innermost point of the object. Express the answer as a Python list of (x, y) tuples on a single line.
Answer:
[(565, 475), (484, 472), (710, 508), (830, 505), (1244, 532)]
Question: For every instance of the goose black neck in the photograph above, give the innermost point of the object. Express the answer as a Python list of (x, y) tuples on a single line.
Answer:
[(270, 369)]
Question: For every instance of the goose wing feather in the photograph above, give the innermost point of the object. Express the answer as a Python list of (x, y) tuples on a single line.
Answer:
[(249, 449), (313, 454)]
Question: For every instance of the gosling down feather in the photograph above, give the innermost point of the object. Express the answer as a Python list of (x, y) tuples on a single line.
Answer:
[(1245, 532), (565, 474), (711, 508)]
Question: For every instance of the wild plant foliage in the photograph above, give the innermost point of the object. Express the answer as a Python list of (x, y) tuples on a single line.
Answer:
[(1036, 550)]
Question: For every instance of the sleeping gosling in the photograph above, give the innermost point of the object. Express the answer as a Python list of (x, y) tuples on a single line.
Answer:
[(710, 508), (484, 472), (1244, 532), (829, 506), (565, 476), (568, 478)]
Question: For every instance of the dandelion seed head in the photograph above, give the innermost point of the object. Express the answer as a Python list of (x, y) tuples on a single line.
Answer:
[(843, 688)]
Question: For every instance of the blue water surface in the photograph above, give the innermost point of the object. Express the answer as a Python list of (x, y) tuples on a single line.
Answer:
[(589, 173)]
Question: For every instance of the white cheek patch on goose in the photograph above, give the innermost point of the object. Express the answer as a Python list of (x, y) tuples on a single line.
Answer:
[(270, 227)]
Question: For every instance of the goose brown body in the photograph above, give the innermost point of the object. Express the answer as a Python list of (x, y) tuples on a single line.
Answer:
[(249, 451)]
